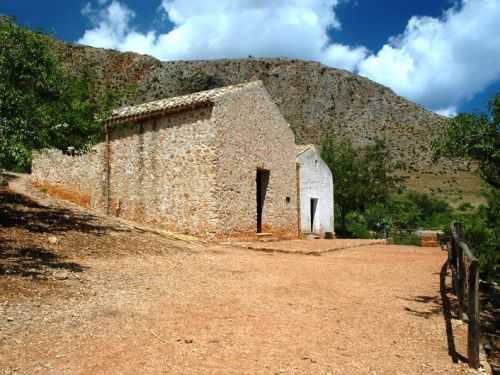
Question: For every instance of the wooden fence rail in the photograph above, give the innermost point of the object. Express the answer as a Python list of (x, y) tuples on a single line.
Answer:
[(465, 275)]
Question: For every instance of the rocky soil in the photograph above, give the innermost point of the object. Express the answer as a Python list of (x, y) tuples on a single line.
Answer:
[(316, 100), (81, 294), (490, 323)]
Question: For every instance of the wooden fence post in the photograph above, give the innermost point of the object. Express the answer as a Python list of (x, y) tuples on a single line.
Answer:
[(473, 313), (454, 259), (461, 272), (465, 273)]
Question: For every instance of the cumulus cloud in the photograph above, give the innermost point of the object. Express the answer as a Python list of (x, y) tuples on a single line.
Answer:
[(440, 62), (112, 24), (448, 112), (436, 62), (229, 28)]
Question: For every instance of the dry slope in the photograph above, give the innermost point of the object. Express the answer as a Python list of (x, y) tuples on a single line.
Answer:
[(316, 100)]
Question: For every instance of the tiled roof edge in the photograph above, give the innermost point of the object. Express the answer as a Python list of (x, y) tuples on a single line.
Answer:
[(174, 104)]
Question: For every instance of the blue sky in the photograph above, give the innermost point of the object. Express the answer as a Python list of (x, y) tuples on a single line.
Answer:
[(443, 54)]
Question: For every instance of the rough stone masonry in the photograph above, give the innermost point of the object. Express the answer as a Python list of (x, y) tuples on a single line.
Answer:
[(189, 164)]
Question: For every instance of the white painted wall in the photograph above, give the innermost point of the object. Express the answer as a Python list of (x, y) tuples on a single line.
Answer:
[(315, 181)]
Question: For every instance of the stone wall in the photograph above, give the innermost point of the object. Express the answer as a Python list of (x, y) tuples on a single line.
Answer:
[(316, 181), (162, 171), (252, 134), (315, 99), (192, 171), (76, 178)]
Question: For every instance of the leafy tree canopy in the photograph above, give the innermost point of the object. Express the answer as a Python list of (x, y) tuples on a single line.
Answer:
[(370, 202), (40, 105), (477, 137), (361, 177)]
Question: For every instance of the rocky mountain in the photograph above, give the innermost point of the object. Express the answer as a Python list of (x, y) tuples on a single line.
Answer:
[(315, 99)]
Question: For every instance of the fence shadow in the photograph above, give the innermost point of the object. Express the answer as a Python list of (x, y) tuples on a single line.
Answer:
[(447, 315), (440, 304), (434, 310)]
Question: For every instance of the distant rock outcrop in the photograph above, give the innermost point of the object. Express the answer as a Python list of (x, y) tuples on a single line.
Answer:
[(315, 99)]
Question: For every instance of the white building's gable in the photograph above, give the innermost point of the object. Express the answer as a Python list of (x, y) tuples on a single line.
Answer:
[(316, 191)]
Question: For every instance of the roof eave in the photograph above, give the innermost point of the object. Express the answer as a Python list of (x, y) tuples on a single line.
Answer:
[(306, 148), (119, 120)]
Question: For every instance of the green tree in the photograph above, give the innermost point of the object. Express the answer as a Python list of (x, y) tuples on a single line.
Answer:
[(40, 105), (477, 137), (362, 177)]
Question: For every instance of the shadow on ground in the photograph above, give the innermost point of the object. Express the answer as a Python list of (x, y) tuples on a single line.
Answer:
[(490, 323), (434, 306), (21, 254), (21, 212), (437, 305), (38, 240), (31, 261), (448, 308)]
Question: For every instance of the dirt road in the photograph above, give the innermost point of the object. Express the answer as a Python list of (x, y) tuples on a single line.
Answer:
[(136, 303)]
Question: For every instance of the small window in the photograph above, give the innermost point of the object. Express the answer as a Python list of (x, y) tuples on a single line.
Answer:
[(288, 199)]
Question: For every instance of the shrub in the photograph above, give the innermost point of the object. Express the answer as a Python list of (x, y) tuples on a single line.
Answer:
[(356, 225), (40, 104), (404, 238)]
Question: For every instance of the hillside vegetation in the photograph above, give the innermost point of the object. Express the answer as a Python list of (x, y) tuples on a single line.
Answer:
[(316, 100)]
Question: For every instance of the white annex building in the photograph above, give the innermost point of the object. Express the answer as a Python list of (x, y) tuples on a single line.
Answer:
[(315, 182)]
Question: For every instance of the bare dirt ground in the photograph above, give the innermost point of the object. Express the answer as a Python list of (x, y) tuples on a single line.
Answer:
[(83, 294), (304, 247)]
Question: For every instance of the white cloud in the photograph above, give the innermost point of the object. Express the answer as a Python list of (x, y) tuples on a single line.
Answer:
[(229, 28), (436, 62), (87, 9), (112, 24), (440, 62), (448, 111), (345, 57)]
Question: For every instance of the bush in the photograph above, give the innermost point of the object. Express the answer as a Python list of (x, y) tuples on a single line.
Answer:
[(361, 176), (405, 238), (482, 232), (41, 105), (476, 136), (405, 212), (357, 226)]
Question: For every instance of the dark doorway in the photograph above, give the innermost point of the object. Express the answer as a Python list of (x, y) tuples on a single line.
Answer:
[(262, 180), (314, 206)]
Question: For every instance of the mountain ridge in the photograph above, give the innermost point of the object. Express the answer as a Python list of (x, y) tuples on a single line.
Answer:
[(317, 101)]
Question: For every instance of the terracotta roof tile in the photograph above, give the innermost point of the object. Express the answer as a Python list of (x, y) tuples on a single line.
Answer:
[(174, 104)]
